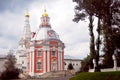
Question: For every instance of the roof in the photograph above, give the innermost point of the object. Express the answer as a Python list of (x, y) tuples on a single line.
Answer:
[(2, 56), (46, 33), (68, 57)]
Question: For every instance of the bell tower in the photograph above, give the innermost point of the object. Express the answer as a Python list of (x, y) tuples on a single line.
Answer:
[(45, 20), (24, 42), (26, 34)]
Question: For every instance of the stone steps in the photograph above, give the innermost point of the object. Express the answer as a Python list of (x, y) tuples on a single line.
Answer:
[(56, 74)]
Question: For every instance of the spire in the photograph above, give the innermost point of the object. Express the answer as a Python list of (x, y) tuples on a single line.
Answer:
[(26, 34)]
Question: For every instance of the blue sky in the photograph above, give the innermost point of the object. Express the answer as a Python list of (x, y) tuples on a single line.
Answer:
[(74, 35), (14, 5)]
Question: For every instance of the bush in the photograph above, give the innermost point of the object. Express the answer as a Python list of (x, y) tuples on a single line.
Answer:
[(10, 72), (86, 64), (13, 74)]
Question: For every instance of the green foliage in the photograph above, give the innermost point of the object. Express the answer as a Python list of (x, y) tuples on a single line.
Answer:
[(86, 63), (84, 9), (116, 37), (10, 72), (116, 40), (107, 12), (97, 76), (118, 59)]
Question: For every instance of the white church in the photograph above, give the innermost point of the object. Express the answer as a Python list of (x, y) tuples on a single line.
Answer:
[(42, 51)]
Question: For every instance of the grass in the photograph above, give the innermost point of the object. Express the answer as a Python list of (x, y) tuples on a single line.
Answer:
[(98, 76)]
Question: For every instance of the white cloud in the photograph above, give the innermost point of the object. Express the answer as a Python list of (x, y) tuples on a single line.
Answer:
[(74, 35), (11, 28), (3, 51)]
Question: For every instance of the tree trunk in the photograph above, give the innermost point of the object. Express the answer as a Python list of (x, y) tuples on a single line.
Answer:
[(92, 44), (97, 69)]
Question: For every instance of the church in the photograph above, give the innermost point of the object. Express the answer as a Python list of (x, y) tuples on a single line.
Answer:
[(41, 51)]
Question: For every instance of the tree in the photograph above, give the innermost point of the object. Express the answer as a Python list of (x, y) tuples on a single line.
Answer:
[(107, 12), (83, 9), (116, 39), (85, 62), (10, 72)]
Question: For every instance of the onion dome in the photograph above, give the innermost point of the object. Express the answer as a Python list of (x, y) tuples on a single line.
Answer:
[(45, 13), (45, 31), (27, 14)]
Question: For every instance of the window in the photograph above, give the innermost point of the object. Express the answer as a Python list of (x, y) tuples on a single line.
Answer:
[(53, 53), (23, 67), (39, 65), (22, 62), (39, 53)]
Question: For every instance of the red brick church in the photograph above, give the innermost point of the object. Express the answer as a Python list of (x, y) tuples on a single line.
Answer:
[(41, 51)]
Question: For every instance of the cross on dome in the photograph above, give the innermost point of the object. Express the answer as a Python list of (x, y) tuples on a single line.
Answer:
[(45, 13)]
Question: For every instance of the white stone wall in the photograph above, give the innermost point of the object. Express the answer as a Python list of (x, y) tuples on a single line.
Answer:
[(75, 62), (106, 70), (22, 61)]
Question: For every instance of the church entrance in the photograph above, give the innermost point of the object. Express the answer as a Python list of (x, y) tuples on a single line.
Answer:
[(54, 66)]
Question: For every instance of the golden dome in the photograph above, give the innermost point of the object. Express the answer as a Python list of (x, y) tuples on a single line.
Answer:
[(27, 14), (45, 13)]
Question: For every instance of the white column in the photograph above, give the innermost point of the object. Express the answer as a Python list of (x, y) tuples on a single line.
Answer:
[(32, 73), (44, 53), (48, 58), (30, 60), (33, 63), (61, 60)]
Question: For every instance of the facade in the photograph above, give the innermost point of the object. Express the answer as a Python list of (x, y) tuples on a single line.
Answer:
[(42, 51), (76, 63)]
